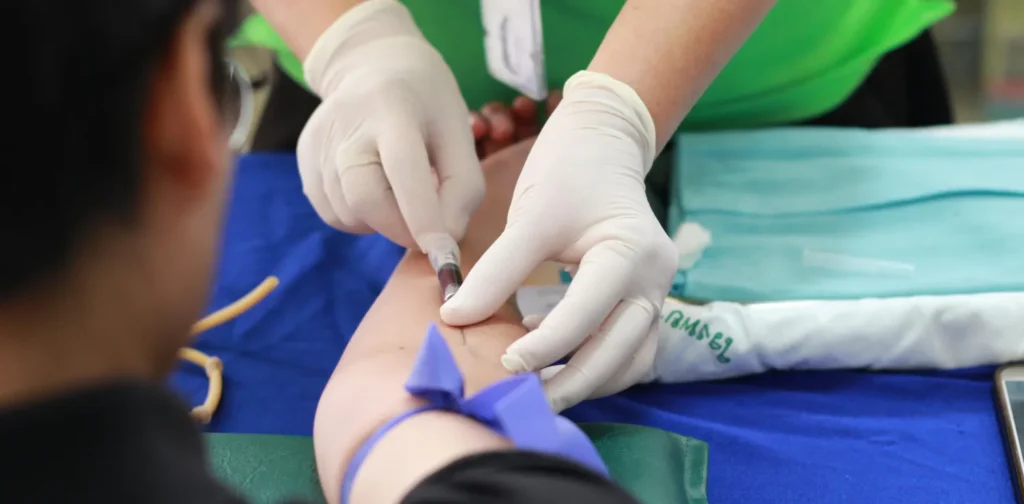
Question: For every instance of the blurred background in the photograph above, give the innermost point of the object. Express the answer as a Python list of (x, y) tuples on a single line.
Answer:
[(982, 50)]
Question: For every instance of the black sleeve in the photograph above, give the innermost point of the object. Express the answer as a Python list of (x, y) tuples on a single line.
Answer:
[(514, 477)]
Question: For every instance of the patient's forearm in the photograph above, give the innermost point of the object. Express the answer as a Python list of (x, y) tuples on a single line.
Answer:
[(409, 303), (367, 386), (376, 366)]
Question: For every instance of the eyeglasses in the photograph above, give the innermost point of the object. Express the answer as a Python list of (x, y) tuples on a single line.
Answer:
[(239, 104)]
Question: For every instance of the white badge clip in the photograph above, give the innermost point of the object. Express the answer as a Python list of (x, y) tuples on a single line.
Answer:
[(514, 43)]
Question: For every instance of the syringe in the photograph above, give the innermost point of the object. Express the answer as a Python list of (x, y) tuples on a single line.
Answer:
[(449, 273)]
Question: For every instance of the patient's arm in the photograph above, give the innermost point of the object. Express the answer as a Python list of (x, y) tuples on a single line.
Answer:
[(367, 386)]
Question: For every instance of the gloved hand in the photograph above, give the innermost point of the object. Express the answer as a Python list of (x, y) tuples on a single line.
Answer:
[(580, 200), (391, 108)]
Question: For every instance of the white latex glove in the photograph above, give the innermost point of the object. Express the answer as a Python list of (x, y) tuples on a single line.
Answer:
[(580, 200), (391, 108)]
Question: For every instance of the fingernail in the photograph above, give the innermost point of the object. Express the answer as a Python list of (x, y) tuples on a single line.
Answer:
[(513, 364)]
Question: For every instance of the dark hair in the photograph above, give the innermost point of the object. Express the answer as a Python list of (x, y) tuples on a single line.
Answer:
[(76, 82)]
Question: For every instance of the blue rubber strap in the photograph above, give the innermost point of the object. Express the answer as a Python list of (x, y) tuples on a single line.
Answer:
[(367, 446), (514, 407)]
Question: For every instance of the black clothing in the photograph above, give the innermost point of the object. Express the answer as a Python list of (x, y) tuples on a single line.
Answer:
[(132, 443)]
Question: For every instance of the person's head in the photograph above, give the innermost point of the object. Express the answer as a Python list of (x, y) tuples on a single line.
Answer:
[(116, 174)]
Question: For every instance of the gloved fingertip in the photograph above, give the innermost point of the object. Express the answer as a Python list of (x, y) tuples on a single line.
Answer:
[(454, 312), (513, 364), (550, 372), (532, 322), (450, 311), (556, 405)]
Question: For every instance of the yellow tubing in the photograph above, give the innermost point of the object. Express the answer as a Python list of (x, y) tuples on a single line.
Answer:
[(237, 308), (212, 365)]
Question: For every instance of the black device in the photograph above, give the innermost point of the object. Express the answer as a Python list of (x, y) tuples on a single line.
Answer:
[(1010, 398)]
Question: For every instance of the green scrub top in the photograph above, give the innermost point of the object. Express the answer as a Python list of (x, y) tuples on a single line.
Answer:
[(804, 60)]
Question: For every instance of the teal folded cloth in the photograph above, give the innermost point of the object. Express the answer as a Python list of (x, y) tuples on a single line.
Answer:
[(828, 213), (656, 466)]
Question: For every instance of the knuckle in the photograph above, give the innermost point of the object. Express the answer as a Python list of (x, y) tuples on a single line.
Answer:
[(582, 384), (660, 251), (640, 302), (528, 356), (477, 184), (469, 190), (332, 220), (341, 211), (347, 222), (366, 201), (365, 189), (649, 308), (339, 218), (644, 357), (322, 205), (651, 247), (395, 95), (518, 219)]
